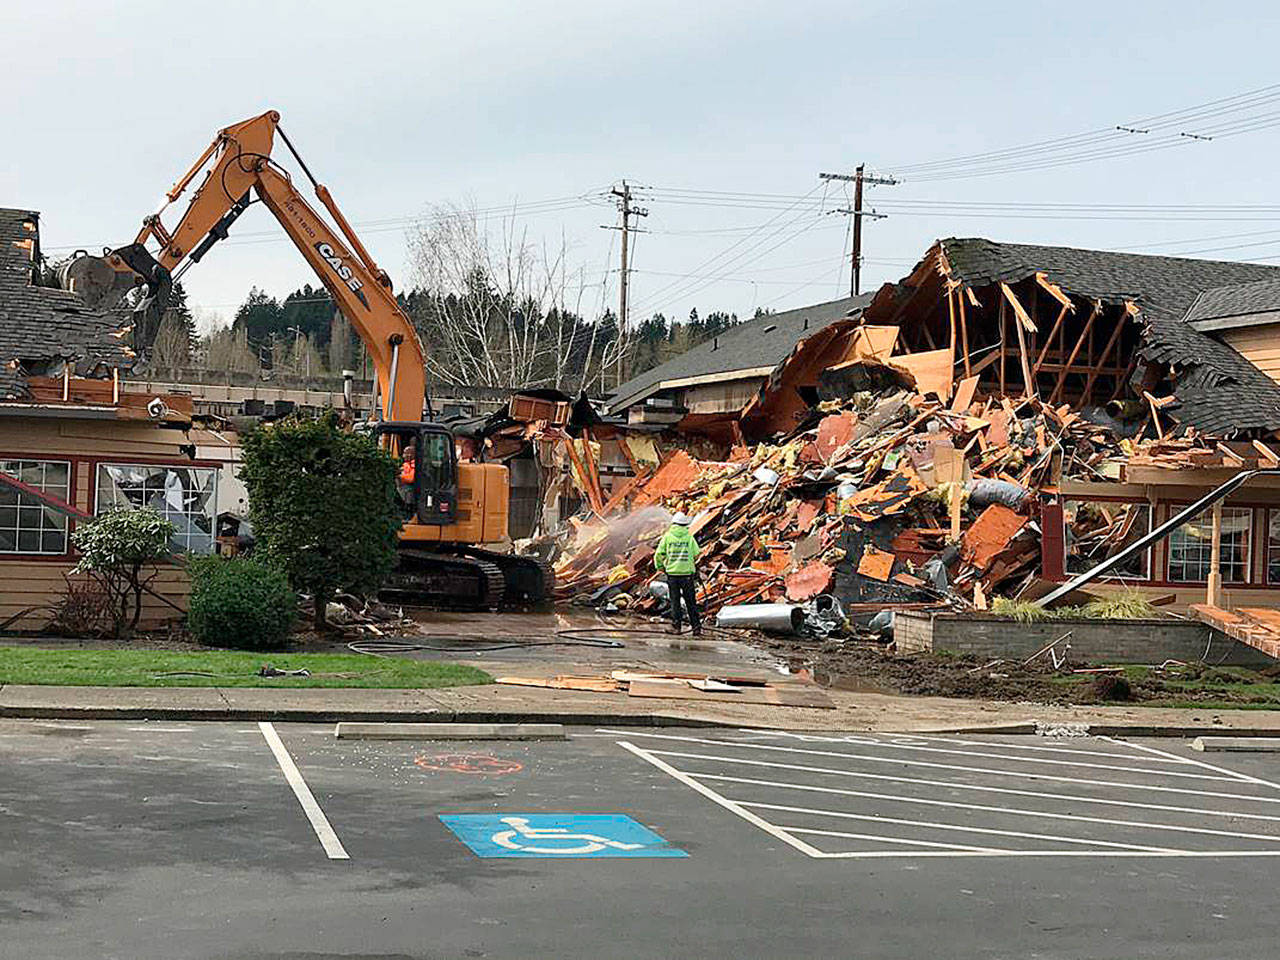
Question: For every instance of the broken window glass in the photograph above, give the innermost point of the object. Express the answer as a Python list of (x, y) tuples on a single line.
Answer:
[(1099, 529), (185, 496), (27, 525)]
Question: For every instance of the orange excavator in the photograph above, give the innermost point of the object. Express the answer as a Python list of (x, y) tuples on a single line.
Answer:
[(450, 507)]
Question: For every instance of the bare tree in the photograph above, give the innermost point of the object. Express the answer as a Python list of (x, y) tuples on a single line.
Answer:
[(493, 307)]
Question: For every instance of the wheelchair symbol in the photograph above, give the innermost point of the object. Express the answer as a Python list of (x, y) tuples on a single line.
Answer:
[(520, 828)]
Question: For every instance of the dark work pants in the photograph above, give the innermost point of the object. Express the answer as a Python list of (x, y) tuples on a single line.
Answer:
[(684, 589)]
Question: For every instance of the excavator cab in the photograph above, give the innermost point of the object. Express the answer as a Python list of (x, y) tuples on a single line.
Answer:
[(428, 480)]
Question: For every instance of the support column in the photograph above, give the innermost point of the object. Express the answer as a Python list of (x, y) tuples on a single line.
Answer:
[(1214, 595)]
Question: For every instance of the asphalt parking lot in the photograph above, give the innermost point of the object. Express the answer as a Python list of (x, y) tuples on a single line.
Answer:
[(170, 840)]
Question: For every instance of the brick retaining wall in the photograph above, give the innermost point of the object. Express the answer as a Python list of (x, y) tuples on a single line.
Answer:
[(1103, 641)]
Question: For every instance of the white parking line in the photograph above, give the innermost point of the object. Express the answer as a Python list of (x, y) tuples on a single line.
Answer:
[(1003, 744), (728, 804), (1200, 763), (1137, 824), (921, 781), (960, 828), (910, 843), (963, 769), (319, 822), (773, 817), (898, 745)]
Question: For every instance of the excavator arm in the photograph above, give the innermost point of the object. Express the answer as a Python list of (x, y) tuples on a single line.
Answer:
[(450, 507), (240, 166)]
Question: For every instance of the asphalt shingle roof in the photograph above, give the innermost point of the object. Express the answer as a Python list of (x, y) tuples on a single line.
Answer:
[(43, 325), (1237, 300), (1218, 390), (761, 342)]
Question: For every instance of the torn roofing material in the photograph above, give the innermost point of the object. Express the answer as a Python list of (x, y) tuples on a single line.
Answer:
[(43, 327), (759, 343), (1218, 390)]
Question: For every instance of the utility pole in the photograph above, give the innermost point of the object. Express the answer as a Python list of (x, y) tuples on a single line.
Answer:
[(627, 211), (858, 178)]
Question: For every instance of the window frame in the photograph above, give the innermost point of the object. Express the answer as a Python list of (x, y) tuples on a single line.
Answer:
[(99, 464), (1249, 580), (16, 552), (1149, 573)]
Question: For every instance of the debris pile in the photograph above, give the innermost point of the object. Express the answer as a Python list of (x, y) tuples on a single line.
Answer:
[(883, 499)]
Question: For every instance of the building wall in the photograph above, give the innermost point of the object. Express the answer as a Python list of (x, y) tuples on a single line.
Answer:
[(1259, 345), (31, 586), (1262, 499)]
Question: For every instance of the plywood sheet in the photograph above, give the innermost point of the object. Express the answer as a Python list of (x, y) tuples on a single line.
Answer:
[(780, 695)]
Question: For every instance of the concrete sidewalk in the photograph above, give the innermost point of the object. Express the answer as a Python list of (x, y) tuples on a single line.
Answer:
[(512, 704)]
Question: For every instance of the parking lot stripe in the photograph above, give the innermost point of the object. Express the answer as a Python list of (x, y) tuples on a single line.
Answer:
[(723, 801), (1003, 745), (319, 822), (1200, 763), (999, 756), (1075, 798), (963, 769), (1144, 825), (931, 825), (879, 839)]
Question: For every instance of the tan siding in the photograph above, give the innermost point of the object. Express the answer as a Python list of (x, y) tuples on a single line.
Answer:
[(41, 584), (1259, 345)]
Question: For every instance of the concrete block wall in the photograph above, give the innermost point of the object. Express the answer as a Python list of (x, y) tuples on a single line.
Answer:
[(1103, 641)]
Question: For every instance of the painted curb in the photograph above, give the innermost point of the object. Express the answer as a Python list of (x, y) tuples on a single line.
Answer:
[(1236, 744), (448, 731)]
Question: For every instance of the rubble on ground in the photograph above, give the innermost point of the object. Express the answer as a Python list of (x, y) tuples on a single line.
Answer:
[(890, 499)]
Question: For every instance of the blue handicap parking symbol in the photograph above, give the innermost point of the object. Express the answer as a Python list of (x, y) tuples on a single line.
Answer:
[(556, 835)]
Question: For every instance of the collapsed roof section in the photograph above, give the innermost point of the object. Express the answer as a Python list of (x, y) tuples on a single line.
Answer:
[(44, 330), (1086, 327)]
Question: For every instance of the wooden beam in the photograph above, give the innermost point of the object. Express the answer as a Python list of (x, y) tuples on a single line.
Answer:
[(1075, 351), (1106, 351), (951, 313), (1155, 413), (1123, 380), (964, 330), (1273, 458), (1003, 309), (1048, 341), (1018, 310), (1055, 291), (1024, 323)]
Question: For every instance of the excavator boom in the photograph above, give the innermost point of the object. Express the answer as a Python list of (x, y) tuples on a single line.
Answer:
[(450, 507)]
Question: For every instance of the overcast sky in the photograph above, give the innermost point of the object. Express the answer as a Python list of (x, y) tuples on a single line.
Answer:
[(400, 107)]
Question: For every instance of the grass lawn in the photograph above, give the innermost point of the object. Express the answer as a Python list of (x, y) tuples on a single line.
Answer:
[(217, 668)]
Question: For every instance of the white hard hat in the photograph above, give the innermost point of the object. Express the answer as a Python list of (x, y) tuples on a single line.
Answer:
[(682, 519)]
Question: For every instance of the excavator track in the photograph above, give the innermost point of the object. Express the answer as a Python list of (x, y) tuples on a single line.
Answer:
[(430, 579), (529, 581)]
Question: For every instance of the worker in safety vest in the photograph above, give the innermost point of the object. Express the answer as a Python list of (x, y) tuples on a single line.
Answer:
[(408, 466), (677, 557)]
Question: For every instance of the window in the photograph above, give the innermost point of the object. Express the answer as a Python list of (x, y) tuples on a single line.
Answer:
[(1273, 546), (1190, 547), (185, 496), (1096, 530), (26, 524)]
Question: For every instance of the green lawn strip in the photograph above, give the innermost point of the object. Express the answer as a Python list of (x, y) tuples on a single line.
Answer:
[(155, 668)]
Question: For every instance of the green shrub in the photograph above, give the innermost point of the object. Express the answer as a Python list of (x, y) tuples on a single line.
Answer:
[(323, 505), (120, 550), (240, 603)]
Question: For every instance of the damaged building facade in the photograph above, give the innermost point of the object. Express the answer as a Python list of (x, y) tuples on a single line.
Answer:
[(74, 442), (1003, 417)]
